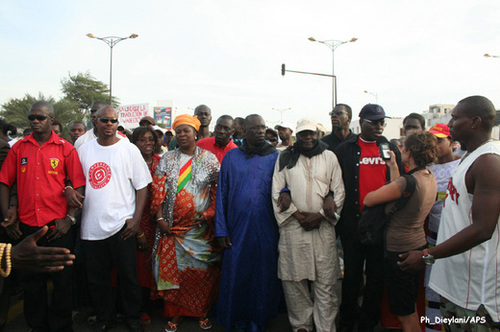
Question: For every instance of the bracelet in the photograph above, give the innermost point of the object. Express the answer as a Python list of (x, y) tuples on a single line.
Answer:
[(64, 190), (141, 235), (161, 218), (8, 262)]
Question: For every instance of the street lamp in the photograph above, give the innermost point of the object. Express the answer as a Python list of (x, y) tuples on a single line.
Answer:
[(281, 110), (112, 41), (333, 44), (373, 94), (491, 56)]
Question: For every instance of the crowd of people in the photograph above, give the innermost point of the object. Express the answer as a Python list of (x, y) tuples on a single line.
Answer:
[(241, 223)]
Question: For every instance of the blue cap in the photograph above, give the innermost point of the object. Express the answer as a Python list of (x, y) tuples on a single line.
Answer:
[(372, 112)]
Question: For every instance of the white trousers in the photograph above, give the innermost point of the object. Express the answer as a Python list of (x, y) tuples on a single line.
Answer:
[(317, 307)]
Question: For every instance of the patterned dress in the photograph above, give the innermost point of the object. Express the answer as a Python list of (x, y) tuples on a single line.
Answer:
[(186, 264), (148, 226)]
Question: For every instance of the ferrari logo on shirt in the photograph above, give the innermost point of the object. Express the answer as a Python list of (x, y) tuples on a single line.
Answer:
[(54, 162)]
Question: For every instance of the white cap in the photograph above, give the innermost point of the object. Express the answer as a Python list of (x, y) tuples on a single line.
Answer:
[(307, 124), (155, 127), (284, 125)]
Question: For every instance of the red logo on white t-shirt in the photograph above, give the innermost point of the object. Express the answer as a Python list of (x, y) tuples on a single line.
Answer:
[(99, 175)]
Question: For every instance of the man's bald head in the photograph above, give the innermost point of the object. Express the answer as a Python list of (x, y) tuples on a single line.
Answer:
[(482, 107), (43, 104), (106, 109)]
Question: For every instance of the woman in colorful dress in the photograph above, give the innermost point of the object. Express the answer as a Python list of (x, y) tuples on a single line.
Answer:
[(186, 264), (145, 139)]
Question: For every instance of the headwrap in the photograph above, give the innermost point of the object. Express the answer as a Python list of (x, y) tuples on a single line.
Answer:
[(187, 120), (290, 156)]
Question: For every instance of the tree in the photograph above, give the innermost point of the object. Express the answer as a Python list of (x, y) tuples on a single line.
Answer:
[(15, 111), (85, 89)]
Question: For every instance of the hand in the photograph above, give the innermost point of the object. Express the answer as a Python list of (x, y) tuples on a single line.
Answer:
[(299, 215), (164, 226), (142, 243), (391, 162), (284, 201), (61, 229), (10, 217), (413, 261), (224, 241), (199, 220), (27, 256), (13, 231), (329, 207), (73, 197), (311, 220), (133, 228)]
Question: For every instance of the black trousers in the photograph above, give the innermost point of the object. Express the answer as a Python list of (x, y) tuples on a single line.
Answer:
[(355, 256), (39, 315), (101, 256)]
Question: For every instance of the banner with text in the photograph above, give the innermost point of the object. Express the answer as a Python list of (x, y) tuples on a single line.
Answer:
[(130, 115)]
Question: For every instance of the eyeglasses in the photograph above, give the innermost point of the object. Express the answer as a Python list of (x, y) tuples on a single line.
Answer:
[(37, 117), (377, 122), (338, 112), (106, 120), (146, 140), (271, 139)]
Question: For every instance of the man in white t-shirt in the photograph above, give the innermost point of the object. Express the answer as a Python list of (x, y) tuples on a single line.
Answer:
[(115, 195)]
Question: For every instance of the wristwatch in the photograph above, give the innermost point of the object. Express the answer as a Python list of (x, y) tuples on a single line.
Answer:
[(73, 219), (428, 258)]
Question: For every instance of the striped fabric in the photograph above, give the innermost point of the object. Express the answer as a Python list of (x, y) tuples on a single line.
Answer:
[(184, 175)]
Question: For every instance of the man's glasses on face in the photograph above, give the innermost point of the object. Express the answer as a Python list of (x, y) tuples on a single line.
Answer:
[(339, 112), (376, 122), (106, 120), (146, 140), (37, 117), (271, 139)]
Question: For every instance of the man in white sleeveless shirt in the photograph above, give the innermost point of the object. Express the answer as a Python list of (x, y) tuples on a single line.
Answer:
[(467, 255)]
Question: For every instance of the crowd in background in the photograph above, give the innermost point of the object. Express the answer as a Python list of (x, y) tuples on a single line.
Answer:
[(240, 223)]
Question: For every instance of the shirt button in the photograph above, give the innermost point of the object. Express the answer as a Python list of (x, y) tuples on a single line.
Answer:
[(357, 164), (37, 178), (38, 163), (37, 194), (38, 209)]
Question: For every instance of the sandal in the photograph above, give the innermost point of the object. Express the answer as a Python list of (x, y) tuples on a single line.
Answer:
[(171, 327), (205, 324), (145, 319)]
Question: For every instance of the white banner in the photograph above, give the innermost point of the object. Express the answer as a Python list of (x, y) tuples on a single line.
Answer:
[(130, 115)]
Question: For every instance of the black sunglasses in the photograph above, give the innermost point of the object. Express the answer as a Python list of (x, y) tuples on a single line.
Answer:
[(339, 112), (37, 117), (106, 120), (272, 139)]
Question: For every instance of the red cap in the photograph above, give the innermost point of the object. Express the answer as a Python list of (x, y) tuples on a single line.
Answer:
[(440, 130)]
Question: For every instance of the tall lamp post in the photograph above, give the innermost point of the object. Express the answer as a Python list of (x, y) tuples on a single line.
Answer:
[(333, 44), (491, 56), (281, 110), (373, 94), (112, 41)]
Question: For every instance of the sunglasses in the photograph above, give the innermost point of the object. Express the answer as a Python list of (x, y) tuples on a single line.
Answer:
[(272, 139), (106, 120), (339, 112), (380, 122), (37, 117)]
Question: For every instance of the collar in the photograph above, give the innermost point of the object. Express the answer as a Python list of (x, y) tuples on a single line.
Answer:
[(53, 139)]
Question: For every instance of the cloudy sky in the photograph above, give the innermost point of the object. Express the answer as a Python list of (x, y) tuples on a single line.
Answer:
[(228, 54)]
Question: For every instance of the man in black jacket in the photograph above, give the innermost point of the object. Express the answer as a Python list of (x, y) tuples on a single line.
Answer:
[(363, 170)]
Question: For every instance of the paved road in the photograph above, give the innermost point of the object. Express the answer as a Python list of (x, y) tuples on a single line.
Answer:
[(17, 323)]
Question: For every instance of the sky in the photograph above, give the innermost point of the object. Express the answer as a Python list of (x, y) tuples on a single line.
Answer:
[(228, 54)]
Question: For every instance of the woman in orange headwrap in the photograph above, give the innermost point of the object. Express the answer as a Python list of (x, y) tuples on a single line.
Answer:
[(185, 262)]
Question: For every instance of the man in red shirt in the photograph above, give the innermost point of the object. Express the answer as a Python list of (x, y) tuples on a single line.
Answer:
[(40, 164), (222, 141)]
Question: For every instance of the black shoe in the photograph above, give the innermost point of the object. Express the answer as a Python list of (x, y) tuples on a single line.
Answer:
[(134, 325), (345, 329), (103, 327)]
